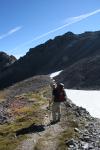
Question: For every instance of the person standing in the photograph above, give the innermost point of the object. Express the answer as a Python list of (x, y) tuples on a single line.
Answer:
[(58, 96)]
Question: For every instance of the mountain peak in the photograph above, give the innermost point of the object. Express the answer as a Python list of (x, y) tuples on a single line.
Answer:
[(56, 54), (6, 60)]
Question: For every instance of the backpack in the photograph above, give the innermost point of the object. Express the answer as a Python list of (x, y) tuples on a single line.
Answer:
[(62, 97), (59, 96)]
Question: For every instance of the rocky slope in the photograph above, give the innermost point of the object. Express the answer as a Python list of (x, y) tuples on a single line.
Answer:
[(21, 106), (6, 61), (54, 55), (84, 74), (24, 120)]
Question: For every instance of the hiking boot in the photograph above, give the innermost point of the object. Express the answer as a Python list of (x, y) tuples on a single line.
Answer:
[(53, 122)]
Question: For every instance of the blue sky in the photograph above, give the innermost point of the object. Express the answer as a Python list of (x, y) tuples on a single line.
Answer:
[(27, 23)]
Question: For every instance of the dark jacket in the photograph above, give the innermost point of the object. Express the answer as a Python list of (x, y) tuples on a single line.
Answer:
[(59, 95)]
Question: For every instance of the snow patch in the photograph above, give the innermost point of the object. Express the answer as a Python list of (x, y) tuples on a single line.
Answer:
[(87, 99), (55, 73)]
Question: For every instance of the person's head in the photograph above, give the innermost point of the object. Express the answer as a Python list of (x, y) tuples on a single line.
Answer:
[(54, 86), (53, 83)]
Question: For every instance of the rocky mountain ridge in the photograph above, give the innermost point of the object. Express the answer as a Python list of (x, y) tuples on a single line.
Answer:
[(61, 53), (6, 61), (25, 120), (84, 74)]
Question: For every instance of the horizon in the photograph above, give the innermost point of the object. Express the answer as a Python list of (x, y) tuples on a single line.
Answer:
[(22, 30)]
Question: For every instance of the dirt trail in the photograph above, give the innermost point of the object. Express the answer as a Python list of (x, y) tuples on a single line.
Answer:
[(45, 139), (29, 143), (42, 140)]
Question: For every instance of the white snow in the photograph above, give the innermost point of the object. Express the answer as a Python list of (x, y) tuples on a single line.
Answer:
[(55, 73), (87, 99)]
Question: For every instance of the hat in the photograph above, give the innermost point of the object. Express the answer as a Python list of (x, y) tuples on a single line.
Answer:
[(61, 84)]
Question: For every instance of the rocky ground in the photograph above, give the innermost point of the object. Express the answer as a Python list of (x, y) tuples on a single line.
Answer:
[(76, 131), (25, 121)]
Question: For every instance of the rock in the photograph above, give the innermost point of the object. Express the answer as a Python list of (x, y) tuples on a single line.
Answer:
[(85, 146), (77, 130), (71, 143), (81, 111), (3, 119)]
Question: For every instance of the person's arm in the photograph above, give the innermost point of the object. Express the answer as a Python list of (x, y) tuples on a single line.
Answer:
[(51, 99), (65, 95)]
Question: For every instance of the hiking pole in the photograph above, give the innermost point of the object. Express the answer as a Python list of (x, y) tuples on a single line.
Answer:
[(49, 112)]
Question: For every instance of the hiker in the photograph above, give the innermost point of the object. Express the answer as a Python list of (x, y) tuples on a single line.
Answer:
[(52, 83), (58, 96)]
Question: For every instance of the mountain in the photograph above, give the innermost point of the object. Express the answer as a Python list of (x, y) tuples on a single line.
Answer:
[(6, 61), (84, 74), (60, 53)]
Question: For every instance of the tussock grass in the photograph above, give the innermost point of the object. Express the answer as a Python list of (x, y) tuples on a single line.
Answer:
[(9, 143), (2, 96), (23, 117), (8, 139), (68, 134), (41, 144)]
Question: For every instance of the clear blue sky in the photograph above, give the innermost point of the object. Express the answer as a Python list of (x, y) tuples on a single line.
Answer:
[(27, 23)]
